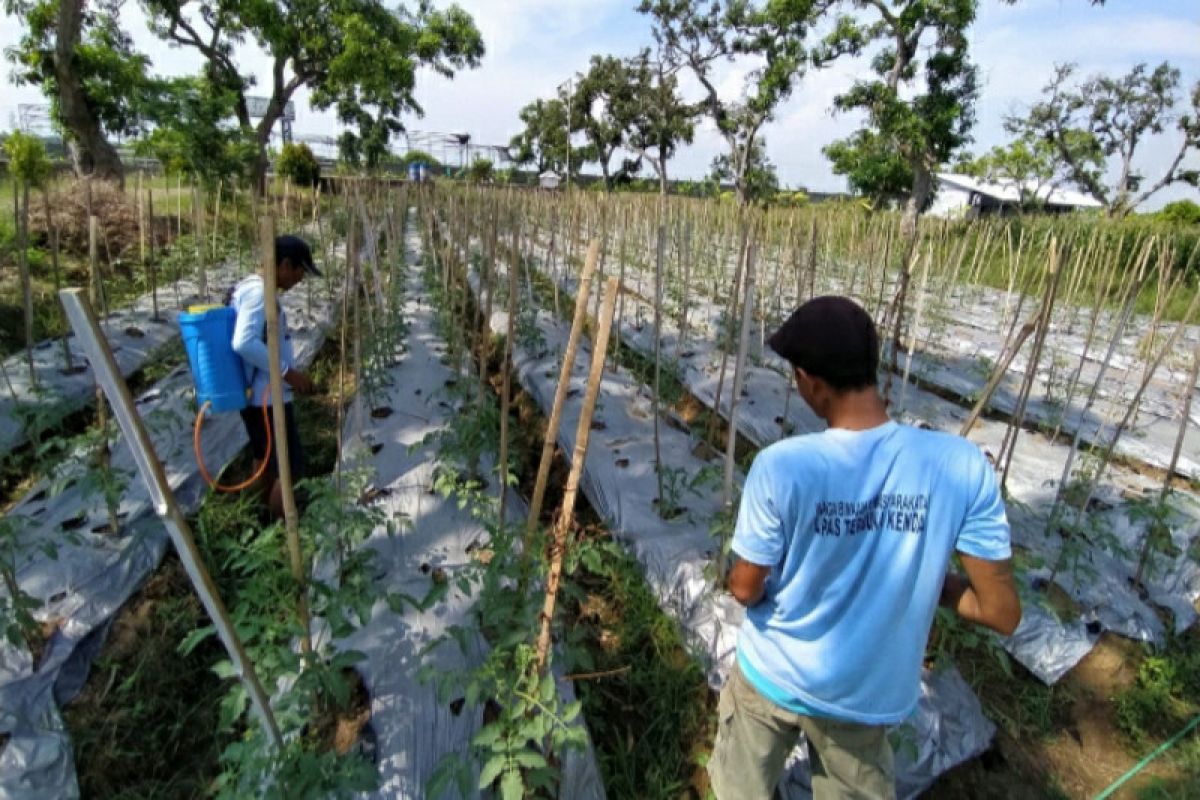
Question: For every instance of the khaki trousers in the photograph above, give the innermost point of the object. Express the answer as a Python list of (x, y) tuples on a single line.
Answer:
[(755, 737)]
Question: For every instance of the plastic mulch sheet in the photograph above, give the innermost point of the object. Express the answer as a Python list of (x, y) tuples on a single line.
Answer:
[(412, 729), (619, 481), (93, 572)]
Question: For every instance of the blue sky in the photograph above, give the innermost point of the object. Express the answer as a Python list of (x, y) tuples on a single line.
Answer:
[(534, 45)]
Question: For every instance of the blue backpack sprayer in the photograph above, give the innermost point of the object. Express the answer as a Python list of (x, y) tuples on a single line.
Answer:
[(219, 377)]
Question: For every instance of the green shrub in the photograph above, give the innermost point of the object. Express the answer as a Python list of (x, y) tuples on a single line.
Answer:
[(298, 164), (27, 158), (1180, 212)]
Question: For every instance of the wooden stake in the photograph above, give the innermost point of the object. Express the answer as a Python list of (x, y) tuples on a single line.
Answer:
[(291, 516), (26, 283), (582, 294), (506, 369), (52, 228), (582, 434), (87, 329)]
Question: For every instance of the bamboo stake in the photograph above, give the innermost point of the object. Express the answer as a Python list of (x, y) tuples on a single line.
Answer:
[(150, 265), (730, 311), (997, 375), (52, 228), (1014, 428), (83, 319), (582, 294), (738, 377), (1189, 389), (284, 467), (582, 434), (506, 370), (26, 283), (660, 247)]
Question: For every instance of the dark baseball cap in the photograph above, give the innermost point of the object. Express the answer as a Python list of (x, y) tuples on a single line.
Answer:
[(832, 338), (296, 250)]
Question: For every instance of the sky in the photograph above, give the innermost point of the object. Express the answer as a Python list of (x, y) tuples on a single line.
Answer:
[(533, 46)]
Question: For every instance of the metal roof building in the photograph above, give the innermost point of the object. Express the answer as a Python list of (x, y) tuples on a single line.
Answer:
[(962, 196)]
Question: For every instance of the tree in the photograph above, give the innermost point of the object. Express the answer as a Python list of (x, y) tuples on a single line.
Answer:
[(543, 142), (924, 118), (659, 121), (599, 107), (1097, 127), (1180, 212), (194, 135), (358, 56), (1029, 165), (298, 164), (701, 36), (871, 167), (761, 181), (481, 171), (85, 64)]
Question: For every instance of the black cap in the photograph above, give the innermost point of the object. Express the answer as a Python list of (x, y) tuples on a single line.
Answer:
[(296, 250), (831, 338)]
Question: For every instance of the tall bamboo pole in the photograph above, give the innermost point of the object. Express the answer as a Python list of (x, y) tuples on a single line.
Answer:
[(582, 434), (283, 465), (582, 294)]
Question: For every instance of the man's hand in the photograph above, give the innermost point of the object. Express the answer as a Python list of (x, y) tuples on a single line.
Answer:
[(986, 596), (747, 582), (299, 381)]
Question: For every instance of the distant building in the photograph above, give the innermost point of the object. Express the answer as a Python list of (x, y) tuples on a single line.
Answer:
[(964, 197), (549, 179)]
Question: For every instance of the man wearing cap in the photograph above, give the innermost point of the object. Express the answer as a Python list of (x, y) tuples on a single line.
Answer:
[(293, 260), (843, 542)]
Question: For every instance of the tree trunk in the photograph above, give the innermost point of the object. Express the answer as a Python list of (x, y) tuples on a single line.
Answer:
[(921, 187), (94, 155)]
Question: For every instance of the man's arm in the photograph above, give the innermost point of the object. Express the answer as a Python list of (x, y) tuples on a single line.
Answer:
[(247, 331), (987, 595), (747, 582), (248, 342)]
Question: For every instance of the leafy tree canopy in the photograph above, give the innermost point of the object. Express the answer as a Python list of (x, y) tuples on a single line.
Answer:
[(194, 135), (871, 166), (298, 164), (1030, 165), (1097, 126), (762, 183), (357, 56), (920, 104), (1180, 212), (700, 36), (543, 142), (27, 159)]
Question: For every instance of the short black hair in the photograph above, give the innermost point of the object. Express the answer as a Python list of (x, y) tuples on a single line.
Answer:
[(832, 338)]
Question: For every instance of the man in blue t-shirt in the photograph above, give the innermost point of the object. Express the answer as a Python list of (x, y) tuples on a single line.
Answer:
[(843, 542)]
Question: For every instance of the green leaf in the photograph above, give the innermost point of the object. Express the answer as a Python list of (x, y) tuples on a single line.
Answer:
[(491, 769), (224, 670), (511, 787), (194, 638), (530, 759)]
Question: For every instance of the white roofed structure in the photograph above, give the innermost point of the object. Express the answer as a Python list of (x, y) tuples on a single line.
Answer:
[(964, 196)]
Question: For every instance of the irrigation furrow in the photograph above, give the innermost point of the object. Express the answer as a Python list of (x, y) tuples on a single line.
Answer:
[(436, 541)]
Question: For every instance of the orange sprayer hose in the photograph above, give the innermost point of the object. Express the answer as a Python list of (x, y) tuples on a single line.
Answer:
[(200, 455)]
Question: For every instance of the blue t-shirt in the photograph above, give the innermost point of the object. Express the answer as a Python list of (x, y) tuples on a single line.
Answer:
[(858, 528)]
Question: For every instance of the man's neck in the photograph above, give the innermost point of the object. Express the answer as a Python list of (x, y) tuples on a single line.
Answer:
[(858, 411)]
